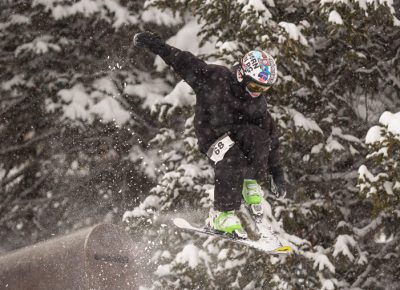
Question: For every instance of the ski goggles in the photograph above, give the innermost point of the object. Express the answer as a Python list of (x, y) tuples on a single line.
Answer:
[(256, 88)]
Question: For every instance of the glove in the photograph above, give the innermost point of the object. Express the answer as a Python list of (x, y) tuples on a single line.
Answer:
[(279, 189), (150, 40)]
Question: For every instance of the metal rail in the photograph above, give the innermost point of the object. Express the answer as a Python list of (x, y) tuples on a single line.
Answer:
[(100, 257)]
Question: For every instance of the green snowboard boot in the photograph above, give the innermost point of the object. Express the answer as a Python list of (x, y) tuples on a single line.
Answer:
[(227, 222), (253, 196)]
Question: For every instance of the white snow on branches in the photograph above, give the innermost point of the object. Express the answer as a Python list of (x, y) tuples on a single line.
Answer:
[(374, 135), (258, 6), (81, 104), (342, 246), (109, 10), (39, 45), (301, 121), (327, 284), (392, 121), (338, 132), (13, 82), (105, 85), (14, 20), (150, 90), (382, 142), (158, 17), (227, 46), (365, 4), (77, 99), (365, 174), (294, 32), (333, 145), (110, 110), (181, 95), (190, 255), (151, 202), (335, 18), (321, 261), (146, 158)]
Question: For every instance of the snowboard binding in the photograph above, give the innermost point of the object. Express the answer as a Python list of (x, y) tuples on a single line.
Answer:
[(256, 209)]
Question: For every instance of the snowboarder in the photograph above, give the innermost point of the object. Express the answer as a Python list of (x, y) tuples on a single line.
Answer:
[(232, 125)]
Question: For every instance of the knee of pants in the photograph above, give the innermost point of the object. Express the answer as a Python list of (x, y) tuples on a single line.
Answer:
[(233, 158), (253, 141)]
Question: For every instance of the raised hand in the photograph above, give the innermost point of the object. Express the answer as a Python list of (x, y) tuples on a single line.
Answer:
[(149, 40)]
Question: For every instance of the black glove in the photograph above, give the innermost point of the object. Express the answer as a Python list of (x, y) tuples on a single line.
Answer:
[(278, 189), (149, 40), (278, 184)]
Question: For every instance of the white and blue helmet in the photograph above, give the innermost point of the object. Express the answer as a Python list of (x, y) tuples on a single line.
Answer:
[(258, 71)]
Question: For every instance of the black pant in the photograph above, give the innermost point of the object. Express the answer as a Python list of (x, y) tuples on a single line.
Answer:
[(247, 159)]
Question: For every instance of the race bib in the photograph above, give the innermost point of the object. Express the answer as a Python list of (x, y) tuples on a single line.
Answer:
[(218, 150)]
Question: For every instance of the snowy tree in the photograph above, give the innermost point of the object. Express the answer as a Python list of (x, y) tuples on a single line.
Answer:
[(379, 183), (91, 127), (75, 120), (383, 185), (358, 32), (319, 113)]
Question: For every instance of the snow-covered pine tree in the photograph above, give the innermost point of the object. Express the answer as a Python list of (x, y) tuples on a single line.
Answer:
[(366, 79), (314, 106), (379, 183), (383, 185), (74, 119)]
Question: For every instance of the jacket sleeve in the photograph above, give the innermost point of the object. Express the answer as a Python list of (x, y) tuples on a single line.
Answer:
[(189, 67), (274, 162)]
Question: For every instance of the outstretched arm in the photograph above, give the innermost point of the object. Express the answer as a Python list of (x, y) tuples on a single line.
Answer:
[(189, 67)]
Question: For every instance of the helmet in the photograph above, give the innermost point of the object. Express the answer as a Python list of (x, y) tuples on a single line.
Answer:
[(257, 71)]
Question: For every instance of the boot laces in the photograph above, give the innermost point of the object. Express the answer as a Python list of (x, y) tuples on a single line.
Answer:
[(253, 189)]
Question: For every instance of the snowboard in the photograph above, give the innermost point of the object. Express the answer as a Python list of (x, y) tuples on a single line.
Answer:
[(267, 243)]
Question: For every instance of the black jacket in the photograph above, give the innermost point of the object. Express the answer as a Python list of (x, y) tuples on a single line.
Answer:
[(222, 103)]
